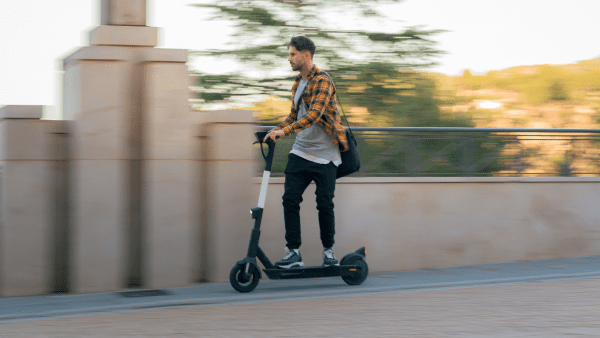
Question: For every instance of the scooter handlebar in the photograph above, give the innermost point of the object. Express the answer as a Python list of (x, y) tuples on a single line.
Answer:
[(260, 136)]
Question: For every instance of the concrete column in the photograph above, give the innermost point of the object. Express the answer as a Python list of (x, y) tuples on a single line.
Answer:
[(97, 97), (228, 193), (168, 182), (26, 219), (103, 94)]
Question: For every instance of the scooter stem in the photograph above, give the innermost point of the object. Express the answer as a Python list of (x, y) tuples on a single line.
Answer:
[(268, 163)]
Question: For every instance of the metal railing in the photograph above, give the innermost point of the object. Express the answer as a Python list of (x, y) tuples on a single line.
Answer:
[(456, 151)]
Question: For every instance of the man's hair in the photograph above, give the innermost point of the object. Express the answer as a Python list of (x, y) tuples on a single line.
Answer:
[(302, 44)]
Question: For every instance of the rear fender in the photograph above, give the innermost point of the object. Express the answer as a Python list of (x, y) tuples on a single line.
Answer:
[(350, 258)]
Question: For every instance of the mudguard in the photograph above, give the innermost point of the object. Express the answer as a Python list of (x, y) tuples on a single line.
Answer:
[(354, 256), (252, 261)]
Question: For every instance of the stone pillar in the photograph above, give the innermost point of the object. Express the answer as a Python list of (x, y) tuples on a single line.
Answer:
[(26, 210), (132, 139), (168, 181), (97, 97), (103, 94), (228, 193), (123, 12)]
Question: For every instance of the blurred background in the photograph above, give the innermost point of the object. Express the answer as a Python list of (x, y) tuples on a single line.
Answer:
[(425, 63)]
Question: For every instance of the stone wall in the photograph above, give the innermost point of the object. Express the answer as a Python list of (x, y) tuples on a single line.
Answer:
[(195, 194), (33, 201), (423, 223)]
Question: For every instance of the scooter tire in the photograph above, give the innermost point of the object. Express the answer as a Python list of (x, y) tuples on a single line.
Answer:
[(359, 276), (236, 278)]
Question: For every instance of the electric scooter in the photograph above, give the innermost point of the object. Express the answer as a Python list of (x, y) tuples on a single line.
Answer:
[(245, 274)]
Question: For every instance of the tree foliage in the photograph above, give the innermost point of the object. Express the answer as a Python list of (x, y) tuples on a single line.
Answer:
[(357, 44), (375, 62)]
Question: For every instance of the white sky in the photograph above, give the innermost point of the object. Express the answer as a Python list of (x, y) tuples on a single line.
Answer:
[(35, 35)]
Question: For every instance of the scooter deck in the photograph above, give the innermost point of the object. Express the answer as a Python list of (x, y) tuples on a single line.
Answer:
[(312, 272)]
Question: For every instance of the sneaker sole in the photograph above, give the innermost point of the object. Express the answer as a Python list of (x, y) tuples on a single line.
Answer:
[(293, 265), (326, 265)]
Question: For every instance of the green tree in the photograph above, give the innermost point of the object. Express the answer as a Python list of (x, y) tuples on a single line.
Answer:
[(357, 44)]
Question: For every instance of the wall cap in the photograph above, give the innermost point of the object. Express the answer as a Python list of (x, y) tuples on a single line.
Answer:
[(164, 55), (99, 53), (139, 36), (224, 116), (21, 112)]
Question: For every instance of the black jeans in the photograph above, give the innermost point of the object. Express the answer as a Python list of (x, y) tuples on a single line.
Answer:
[(298, 175)]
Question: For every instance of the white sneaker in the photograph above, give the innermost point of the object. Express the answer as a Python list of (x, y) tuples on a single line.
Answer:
[(292, 259), (329, 258)]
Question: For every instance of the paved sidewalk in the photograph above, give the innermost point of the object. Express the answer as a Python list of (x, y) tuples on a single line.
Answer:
[(544, 309), (511, 300)]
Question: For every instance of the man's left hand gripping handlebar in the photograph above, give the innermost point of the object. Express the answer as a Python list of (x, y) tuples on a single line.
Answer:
[(274, 135)]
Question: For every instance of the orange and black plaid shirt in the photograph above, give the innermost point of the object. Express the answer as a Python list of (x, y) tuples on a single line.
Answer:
[(319, 97)]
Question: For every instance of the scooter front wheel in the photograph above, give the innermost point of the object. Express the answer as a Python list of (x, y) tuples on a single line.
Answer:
[(241, 281)]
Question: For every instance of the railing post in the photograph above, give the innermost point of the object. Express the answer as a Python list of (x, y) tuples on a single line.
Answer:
[(466, 156), (414, 150)]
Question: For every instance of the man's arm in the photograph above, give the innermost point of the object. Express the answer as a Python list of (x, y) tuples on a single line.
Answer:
[(288, 120), (278, 130), (323, 90)]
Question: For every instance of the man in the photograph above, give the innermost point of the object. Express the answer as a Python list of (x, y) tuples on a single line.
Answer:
[(315, 154)]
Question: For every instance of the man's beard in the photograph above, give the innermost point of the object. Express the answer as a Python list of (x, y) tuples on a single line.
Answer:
[(296, 67)]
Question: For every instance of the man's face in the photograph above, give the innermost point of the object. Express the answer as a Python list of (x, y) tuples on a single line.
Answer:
[(297, 59)]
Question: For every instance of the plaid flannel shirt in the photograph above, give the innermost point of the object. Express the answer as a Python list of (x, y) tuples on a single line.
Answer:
[(319, 97)]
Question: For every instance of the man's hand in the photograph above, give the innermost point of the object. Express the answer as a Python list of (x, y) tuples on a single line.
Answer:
[(274, 134)]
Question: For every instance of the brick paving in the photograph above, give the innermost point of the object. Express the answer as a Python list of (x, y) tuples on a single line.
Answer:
[(545, 309)]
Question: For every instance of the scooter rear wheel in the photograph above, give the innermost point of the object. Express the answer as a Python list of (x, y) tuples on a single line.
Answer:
[(361, 273), (240, 282)]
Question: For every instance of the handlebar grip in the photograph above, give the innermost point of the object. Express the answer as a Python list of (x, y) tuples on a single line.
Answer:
[(260, 136)]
